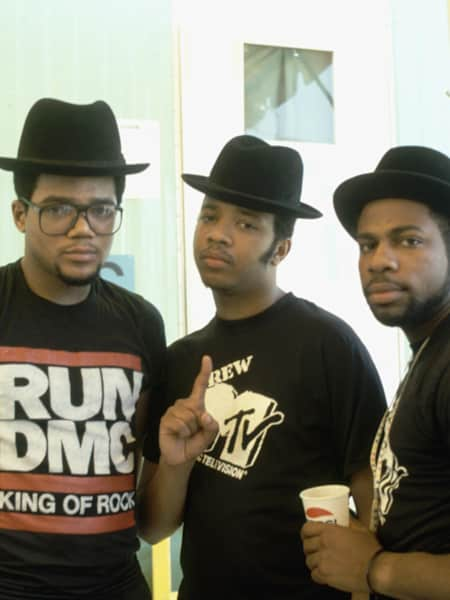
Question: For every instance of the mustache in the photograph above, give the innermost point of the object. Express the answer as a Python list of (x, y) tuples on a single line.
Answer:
[(217, 253), (80, 247), (382, 283)]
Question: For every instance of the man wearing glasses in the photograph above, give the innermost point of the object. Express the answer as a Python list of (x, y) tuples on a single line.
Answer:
[(79, 359)]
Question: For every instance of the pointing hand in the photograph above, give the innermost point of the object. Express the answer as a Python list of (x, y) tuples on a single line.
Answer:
[(186, 429)]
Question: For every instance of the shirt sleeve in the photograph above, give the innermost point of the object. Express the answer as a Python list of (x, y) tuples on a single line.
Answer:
[(357, 399), (156, 361)]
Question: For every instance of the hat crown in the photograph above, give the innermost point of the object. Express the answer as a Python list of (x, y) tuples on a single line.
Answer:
[(62, 138), (253, 174), (416, 159), (414, 173), (254, 167), (57, 130)]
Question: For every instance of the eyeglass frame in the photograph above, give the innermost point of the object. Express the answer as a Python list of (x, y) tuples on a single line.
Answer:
[(79, 210)]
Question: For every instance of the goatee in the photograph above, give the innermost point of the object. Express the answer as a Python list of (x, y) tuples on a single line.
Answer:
[(79, 281)]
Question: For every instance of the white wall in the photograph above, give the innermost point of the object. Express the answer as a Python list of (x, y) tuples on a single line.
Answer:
[(322, 265)]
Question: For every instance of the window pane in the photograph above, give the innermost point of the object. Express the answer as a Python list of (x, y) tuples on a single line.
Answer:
[(288, 93)]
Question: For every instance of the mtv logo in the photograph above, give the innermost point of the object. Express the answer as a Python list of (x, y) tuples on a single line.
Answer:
[(244, 420)]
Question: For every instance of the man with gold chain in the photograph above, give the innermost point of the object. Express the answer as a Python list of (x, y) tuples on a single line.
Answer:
[(399, 216)]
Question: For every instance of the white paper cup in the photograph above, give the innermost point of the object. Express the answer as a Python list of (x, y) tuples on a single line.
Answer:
[(327, 503)]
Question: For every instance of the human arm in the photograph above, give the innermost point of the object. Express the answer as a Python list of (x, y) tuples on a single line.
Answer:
[(185, 431), (155, 493), (412, 575), (161, 496), (363, 401), (339, 557), (361, 488)]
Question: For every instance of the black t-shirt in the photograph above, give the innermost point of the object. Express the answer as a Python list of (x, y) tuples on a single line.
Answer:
[(298, 401), (70, 377), (416, 471)]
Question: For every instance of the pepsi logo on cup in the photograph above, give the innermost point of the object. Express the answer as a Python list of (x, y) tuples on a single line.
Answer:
[(316, 513)]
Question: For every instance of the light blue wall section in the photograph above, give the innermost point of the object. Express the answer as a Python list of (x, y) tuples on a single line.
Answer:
[(422, 72), (117, 50)]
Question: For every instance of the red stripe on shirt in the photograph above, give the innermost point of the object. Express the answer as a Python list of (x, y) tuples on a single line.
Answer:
[(34, 482), (69, 359), (66, 525)]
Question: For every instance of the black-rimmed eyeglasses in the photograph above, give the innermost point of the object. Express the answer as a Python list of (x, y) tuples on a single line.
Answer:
[(59, 218)]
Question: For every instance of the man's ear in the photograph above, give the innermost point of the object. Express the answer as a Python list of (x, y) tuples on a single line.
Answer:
[(281, 251), (19, 214)]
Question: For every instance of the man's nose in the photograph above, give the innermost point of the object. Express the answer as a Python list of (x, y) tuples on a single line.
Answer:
[(383, 258), (220, 232), (81, 226)]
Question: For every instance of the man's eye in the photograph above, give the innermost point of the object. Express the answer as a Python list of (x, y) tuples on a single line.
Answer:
[(246, 225), (206, 218), (411, 242), (365, 247), (59, 210), (102, 211)]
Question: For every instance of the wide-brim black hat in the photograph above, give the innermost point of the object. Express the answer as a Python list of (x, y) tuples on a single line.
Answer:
[(408, 172), (251, 173), (60, 138)]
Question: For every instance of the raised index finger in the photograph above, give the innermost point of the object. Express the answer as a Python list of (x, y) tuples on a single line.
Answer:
[(197, 396)]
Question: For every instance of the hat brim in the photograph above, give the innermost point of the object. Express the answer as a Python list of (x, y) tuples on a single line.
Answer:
[(352, 195), (97, 168), (203, 184)]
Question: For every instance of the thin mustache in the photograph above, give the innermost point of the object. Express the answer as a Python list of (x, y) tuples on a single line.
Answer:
[(376, 281), (80, 248), (212, 252)]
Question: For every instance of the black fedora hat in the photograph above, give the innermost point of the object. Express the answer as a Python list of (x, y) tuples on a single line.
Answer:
[(61, 138), (409, 172), (251, 173)]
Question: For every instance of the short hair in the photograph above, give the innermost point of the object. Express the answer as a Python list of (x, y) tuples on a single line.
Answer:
[(443, 222), (283, 226), (25, 184)]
